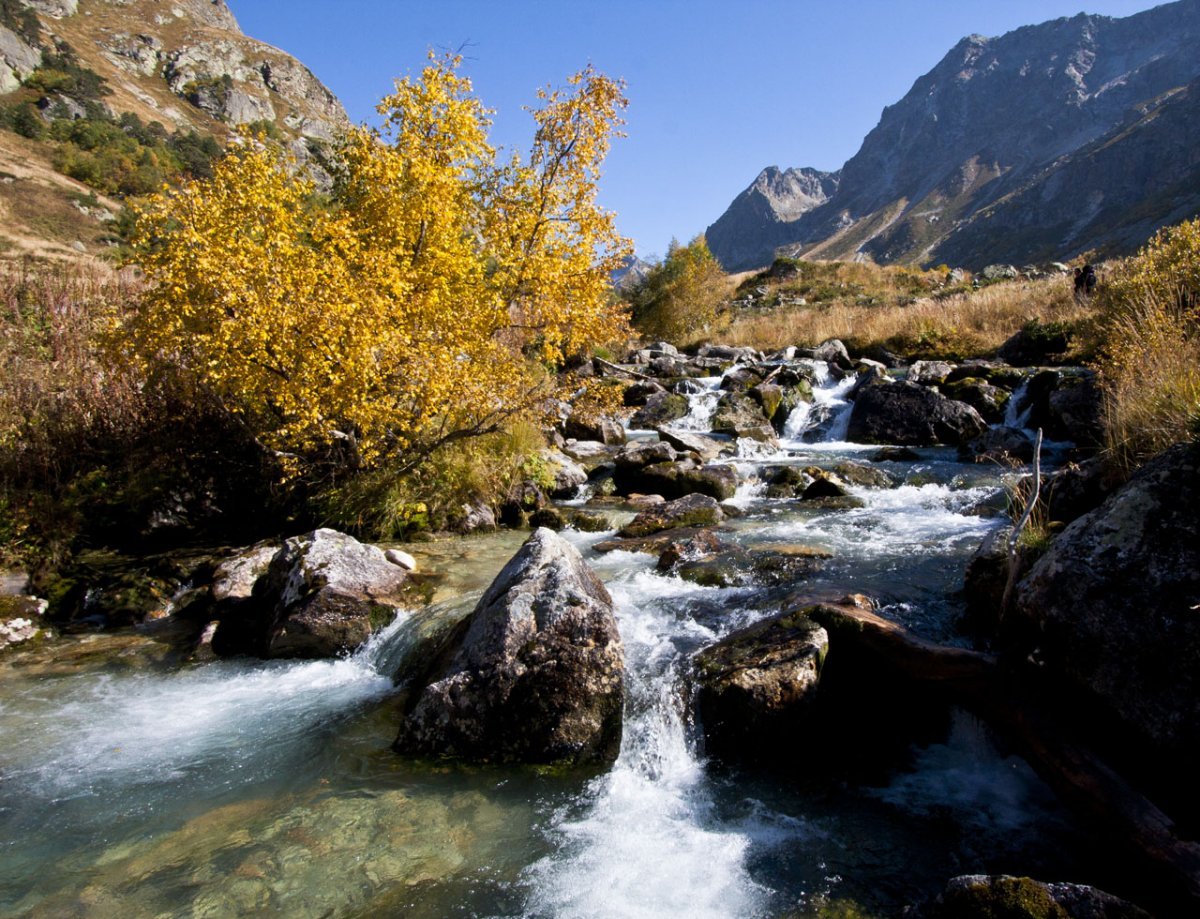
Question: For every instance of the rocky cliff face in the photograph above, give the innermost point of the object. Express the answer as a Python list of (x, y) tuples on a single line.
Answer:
[(762, 216), (1029, 116), (187, 62), (182, 63)]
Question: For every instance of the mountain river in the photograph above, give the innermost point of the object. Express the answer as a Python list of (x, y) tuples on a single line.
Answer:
[(130, 788)]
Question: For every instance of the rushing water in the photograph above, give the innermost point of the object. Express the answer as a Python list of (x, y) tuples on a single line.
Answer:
[(240, 788)]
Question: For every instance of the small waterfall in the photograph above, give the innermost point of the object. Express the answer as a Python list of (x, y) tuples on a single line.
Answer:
[(703, 405), (1018, 409), (827, 417), (645, 840)]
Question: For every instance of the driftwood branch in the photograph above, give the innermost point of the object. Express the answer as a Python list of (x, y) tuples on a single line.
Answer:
[(1015, 536), (615, 368)]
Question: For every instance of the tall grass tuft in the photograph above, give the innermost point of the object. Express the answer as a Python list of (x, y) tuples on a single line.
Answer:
[(1151, 371)]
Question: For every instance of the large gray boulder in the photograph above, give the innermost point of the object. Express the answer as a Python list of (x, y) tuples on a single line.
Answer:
[(538, 675), (911, 415), (1112, 606), (321, 595)]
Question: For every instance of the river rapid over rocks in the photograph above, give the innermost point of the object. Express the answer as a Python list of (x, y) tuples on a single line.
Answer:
[(134, 787)]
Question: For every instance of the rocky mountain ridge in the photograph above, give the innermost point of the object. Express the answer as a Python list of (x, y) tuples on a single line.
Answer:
[(1040, 114), (184, 63)]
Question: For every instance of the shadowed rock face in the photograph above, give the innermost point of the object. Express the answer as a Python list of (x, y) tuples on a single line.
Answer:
[(758, 684), (1041, 143), (1112, 604), (538, 675), (911, 415)]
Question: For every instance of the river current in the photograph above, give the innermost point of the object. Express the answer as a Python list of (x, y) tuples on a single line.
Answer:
[(129, 788)]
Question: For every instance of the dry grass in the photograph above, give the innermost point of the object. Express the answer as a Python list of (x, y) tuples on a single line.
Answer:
[(1151, 371), (966, 324), (55, 389)]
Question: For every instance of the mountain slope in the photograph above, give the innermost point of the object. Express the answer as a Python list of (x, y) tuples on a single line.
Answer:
[(762, 215), (987, 123), (184, 64)]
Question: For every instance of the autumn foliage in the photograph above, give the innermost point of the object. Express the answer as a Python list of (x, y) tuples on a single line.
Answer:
[(422, 301)]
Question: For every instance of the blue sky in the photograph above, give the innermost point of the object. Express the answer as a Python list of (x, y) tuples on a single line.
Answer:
[(718, 90)]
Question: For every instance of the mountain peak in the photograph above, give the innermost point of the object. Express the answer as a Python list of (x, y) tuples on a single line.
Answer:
[(989, 118)]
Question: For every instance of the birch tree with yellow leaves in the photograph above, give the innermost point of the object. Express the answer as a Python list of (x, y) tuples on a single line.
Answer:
[(429, 300)]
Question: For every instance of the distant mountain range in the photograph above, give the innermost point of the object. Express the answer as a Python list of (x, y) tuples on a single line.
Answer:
[(1074, 135)]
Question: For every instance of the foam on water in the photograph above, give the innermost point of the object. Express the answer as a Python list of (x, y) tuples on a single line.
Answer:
[(645, 841), (226, 718), (703, 406), (909, 519)]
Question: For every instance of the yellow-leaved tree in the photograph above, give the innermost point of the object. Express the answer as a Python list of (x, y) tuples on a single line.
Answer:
[(421, 302)]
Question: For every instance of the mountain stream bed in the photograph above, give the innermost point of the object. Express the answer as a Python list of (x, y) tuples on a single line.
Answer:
[(243, 787)]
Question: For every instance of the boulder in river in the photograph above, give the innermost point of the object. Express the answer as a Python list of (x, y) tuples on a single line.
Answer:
[(660, 408), (693, 510), (705, 448), (321, 595), (1003, 445), (911, 415), (741, 416), (756, 687), (978, 896), (678, 479), (1112, 607), (538, 675)]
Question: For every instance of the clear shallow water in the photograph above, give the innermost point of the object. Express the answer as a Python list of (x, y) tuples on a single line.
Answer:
[(269, 788)]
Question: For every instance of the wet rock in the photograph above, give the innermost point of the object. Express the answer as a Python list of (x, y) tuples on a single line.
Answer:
[(21, 620), (639, 393), (588, 522), (741, 416), (523, 499), (705, 448), (644, 453), (549, 517), (824, 486), (895, 455), (476, 517), (589, 453), (990, 401), (985, 578), (863, 475), (736, 566), (538, 676), (1001, 445), (660, 409), (322, 595), (1076, 488), (769, 397), (834, 353), (1035, 343), (908, 414), (729, 353), (606, 430), (978, 896), (1076, 409), (568, 474), (786, 482), (677, 479), (1067, 404), (693, 510), (1112, 608), (741, 379), (929, 373), (756, 688)]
